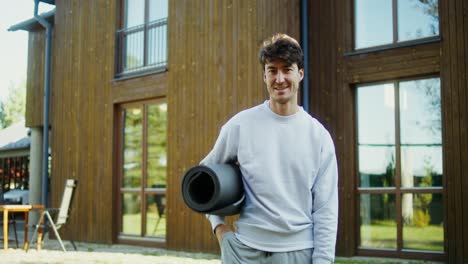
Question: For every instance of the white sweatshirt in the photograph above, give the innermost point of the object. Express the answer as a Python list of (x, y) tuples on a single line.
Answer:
[(290, 178)]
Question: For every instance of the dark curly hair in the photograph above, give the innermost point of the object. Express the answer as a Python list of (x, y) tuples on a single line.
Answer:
[(283, 48)]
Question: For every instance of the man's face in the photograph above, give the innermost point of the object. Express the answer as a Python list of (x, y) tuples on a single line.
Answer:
[(282, 81)]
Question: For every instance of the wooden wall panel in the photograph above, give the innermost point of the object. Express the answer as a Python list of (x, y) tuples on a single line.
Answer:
[(394, 63), (213, 74), (331, 102), (82, 120), (148, 86), (35, 79), (454, 29)]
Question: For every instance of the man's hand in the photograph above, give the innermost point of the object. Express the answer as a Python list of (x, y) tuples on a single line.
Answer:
[(220, 230)]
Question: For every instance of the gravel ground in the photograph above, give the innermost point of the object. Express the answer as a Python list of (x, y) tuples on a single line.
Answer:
[(101, 253), (98, 253)]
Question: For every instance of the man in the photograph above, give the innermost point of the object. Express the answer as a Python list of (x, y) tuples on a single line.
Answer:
[(287, 159)]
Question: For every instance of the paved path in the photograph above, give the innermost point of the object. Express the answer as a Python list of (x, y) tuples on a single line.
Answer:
[(98, 253)]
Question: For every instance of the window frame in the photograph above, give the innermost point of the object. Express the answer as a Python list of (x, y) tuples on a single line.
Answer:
[(396, 190), (395, 43), (120, 73)]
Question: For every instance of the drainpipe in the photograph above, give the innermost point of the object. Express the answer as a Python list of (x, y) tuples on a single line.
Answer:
[(45, 146), (305, 49)]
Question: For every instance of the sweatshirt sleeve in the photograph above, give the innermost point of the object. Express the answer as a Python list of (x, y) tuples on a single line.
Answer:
[(224, 151), (325, 204)]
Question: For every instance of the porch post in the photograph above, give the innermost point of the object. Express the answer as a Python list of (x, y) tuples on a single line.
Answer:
[(35, 171)]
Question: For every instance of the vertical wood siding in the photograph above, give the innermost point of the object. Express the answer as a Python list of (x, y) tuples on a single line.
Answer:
[(331, 102), (82, 120), (454, 30), (35, 79), (213, 74)]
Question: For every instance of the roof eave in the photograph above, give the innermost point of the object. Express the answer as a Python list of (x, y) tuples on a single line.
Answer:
[(32, 24)]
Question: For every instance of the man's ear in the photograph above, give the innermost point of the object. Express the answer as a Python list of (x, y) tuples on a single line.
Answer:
[(301, 73)]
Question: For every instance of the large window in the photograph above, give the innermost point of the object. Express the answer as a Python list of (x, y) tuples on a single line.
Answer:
[(143, 171), (142, 39), (400, 166), (388, 22)]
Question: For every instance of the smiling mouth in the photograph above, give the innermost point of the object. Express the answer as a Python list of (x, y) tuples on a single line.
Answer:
[(281, 88)]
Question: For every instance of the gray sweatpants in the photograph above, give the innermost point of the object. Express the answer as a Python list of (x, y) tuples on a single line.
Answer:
[(235, 252)]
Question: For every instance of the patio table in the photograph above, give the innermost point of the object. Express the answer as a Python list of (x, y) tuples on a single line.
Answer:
[(7, 208)]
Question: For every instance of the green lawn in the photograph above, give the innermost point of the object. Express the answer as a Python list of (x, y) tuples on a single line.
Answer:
[(132, 225), (383, 235)]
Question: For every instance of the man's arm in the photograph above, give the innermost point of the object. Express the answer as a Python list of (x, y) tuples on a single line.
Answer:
[(325, 204), (224, 151)]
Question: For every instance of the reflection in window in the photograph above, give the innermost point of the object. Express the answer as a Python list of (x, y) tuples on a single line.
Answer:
[(155, 215), (134, 13), (376, 135), (378, 225), (423, 222), (156, 146), (420, 133), (144, 158), (131, 214), (132, 145), (373, 23), (376, 166), (134, 50), (375, 20), (157, 9), (417, 19)]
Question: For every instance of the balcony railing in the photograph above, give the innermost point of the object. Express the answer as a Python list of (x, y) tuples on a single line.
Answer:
[(142, 48)]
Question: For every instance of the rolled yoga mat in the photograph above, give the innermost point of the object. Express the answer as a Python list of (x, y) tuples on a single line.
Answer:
[(214, 189)]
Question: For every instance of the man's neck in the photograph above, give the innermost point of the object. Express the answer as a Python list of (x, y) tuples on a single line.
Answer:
[(286, 109)]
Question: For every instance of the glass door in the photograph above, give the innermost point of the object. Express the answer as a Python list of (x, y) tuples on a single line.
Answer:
[(142, 183)]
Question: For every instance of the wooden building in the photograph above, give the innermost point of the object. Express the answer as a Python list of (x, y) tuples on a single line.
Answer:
[(140, 90)]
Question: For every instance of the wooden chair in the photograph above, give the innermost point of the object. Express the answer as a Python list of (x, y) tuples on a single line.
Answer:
[(160, 206), (61, 215)]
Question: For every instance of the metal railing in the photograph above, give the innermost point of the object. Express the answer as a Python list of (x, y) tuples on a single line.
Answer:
[(141, 48)]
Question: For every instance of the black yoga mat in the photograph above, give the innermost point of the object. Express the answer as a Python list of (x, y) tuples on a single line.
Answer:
[(214, 189)]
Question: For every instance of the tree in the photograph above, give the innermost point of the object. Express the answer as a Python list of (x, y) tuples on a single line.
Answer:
[(2, 115), (12, 108)]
